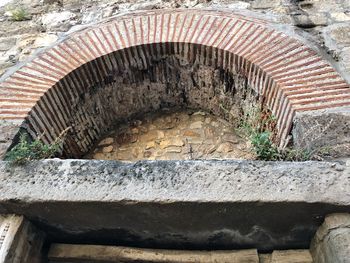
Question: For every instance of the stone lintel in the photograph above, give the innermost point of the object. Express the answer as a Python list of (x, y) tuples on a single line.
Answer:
[(197, 204)]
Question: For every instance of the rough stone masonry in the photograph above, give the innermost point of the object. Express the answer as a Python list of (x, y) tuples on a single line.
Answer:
[(301, 68), (289, 75)]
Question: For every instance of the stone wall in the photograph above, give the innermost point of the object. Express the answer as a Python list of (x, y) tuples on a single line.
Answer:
[(324, 21), (174, 204), (173, 135), (131, 91), (288, 76)]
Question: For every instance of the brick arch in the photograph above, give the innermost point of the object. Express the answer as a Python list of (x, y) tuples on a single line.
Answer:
[(289, 76)]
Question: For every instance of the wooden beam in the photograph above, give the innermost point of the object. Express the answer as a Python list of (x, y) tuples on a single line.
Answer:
[(97, 254)]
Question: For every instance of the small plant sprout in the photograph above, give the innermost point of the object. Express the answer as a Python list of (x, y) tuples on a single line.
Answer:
[(263, 146), (259, 126), (18, 14), (26, 151)]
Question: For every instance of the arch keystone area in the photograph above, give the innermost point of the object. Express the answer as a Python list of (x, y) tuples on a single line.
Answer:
[(290, 77)]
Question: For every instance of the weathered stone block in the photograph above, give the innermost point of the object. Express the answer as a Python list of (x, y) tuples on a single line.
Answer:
[(58, 21), (265, 258), (107, 149), (340, 16), (291, 256), (197, 204), (331, 243), (20, 242), (323, 130), (9, 226), (265, 4), (7, 132), (312, 20), (7, 43), (91, 253), (341, 34)]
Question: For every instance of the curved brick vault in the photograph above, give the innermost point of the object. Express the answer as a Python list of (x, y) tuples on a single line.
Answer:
[(289, 76)]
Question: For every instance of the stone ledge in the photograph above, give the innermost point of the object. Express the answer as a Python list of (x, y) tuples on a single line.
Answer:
[(171, 181), (172, 204)]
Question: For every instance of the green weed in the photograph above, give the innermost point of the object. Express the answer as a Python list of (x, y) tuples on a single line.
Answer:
[(263, 147), (26, 151), (18, 14)]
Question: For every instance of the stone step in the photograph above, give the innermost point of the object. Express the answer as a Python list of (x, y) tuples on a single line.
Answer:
[(95, 254)]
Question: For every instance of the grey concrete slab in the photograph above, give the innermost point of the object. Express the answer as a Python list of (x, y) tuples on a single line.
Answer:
[(178, 204)]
